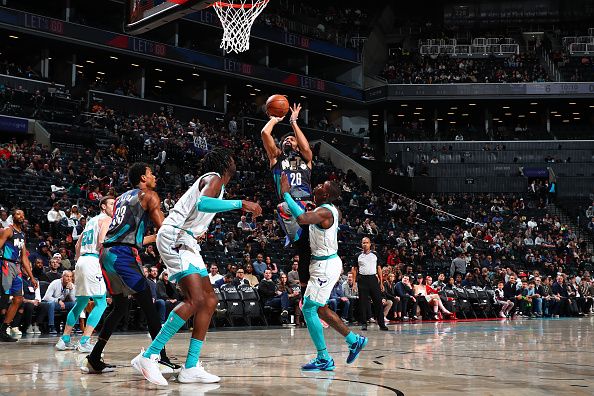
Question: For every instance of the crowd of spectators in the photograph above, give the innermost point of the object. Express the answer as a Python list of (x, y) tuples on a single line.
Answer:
[(413, 68)]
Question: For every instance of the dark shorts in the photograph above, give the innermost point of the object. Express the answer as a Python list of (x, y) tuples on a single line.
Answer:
[(122, 270), (12, 280)]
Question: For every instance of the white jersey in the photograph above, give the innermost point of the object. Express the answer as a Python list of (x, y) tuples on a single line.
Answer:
[(90, 235), (324, 242), (185, 216)]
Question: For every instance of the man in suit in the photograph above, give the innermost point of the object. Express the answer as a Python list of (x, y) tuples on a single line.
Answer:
[(407, 299)]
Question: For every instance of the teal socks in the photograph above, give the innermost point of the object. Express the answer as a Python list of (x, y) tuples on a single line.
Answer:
[(84, 339), (193, 353), (171, 326), (66, 338), (351, 338)]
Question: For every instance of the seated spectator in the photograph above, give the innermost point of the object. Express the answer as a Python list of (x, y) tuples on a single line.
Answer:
[(272, 297), (293, 275), (511, 292), (243, 225), (53, 272), (249, 275), (60, 296), (151, 276), (525, 300), (38, 271), (550, 300), (54, 216), (214, 275), (407, 299), (240, 278), (586, 292), (499, 300), (567, 306), (65, 263), (150, 256), (434, 300), (534, 293), (42, 253), (352, 293), (167, 292), (259, 266), (338, 300), (389, 293), (227, 279), (272, 267)]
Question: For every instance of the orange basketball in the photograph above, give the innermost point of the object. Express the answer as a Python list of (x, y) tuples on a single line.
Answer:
[(277, 106)]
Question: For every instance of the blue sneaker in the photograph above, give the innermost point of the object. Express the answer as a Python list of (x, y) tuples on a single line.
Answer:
[(319, 365), (356, 348)]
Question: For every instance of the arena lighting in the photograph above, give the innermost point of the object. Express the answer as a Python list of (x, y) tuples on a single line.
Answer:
[(575, 113), (100, 73), (521, 116), (400, 115), (248, 85), (79, 66), (572, 103), (89, 61), (508, 114), (252, 94), (418, 108), (453, 108), (557, 115), (162, 81), (328, 101), (471, 104), (114, 57), (592, 106), (228, 94), (334, 105), (495, 119), (417, 113), (303, 96), (403, 105), (533, 103), (257, 90), (182, 80), (440, 119), (328, 109), (465, 115), (13, 36), (450, 113), (565, 121), (533, 112), (554, 112), (452, 122), (134, 64), (195, 74), (421, 119), (157, 86), (159, 70), (576, 118), (375, 115), (505, 107)]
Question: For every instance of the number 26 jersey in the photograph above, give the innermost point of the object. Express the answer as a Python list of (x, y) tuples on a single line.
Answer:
[(297, 171)]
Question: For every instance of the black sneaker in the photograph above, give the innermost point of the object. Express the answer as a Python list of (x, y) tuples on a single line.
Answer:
[(167, 367), (99, 367), (364, 327), (384, 328), (4, 337)]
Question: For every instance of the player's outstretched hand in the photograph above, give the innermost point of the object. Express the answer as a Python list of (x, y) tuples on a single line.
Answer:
[(276, 120), (295, 111), (285, 186), (252, 208)]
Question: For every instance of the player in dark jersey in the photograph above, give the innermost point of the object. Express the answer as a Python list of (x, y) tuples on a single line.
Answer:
[(293, 158), (120, 262), (15, 257)]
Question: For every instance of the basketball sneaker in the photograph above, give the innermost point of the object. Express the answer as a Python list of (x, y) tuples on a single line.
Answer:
[(356, 348), (99, 367), (64, 346), (149, 368), (167, 367), (196, 374), (86, 347), (318, 364)]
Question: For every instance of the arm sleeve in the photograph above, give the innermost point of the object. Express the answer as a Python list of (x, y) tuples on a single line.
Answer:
[(215, 205), (294, 208)]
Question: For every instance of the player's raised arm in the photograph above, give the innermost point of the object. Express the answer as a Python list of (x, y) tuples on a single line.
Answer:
[(302, 141), (269, 145)]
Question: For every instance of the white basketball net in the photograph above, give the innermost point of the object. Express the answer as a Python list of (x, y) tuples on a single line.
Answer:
[(237, 18)]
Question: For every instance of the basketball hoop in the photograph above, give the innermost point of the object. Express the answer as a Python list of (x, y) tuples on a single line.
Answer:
[(237, 18)]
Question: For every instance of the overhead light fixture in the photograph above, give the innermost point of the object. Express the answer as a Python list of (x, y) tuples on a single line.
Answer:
[(114, 57), (159, 70), (13, 36), (417, 113), (252, 94), (575, 113), (257, 90), (506, 107), (440, 119), (180, 79), (557, 115), (334, 105), (533, 103), (554, 112), (500, 121), (471, 104), (228, 94), (328, 101), (495, 119), (303, 96), (508, 114), (157, 86), (450, 113), (533, 112), (134, 64), (400, 115), (464, 114), (453, 108), (100, 73), (195, 74), (47, 58), (521, 116), (79, 65), (403, 105), (418, 108), (576, 118), (421, 119), (248, 85), (328, 109), (89, 61), (566, 121), (572, 103), (592, 106), (452, 122), (162, 81)]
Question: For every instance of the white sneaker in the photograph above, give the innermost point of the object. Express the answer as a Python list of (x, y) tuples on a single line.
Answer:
[(14, 331), (149, 368), (196, 374), (36, 330), (63, 346), (502, 315), (87, 347)]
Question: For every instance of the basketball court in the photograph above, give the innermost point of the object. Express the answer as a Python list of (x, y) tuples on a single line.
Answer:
[(528, 357)]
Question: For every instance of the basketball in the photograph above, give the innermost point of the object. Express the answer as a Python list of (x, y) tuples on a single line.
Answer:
[(277, 106)]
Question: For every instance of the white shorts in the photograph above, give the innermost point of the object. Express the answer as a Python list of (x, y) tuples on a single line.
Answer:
[(323, 275), (182, 257), (88, 277)]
